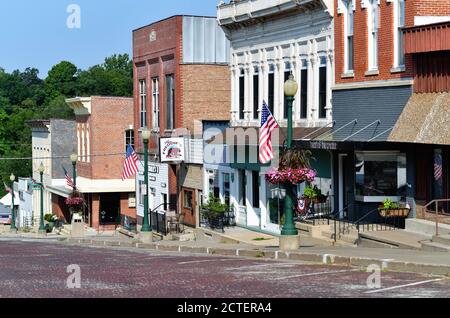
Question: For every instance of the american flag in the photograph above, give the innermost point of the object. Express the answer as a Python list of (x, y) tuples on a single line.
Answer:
[(268, 125), (130, 166), (438, 167), (69, 180), (7, 189)]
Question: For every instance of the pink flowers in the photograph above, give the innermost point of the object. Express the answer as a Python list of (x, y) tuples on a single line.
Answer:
[(293, 176), (76, 201)]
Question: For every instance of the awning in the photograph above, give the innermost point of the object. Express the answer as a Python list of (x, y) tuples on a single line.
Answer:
[(6, 200), (424, 120)]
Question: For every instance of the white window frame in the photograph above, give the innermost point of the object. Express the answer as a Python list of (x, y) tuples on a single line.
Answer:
[(348, 6), (129, 139), (155, 104), (373, 26), (399, 22), (143, 103)]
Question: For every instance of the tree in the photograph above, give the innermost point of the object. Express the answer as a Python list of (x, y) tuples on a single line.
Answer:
[(61, 80)]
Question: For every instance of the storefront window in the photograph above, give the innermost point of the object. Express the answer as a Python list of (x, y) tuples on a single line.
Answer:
[(275, 203), (380, 174), (226, 188), (214, 188)]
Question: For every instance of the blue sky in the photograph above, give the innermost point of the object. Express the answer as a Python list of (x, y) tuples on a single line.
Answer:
[(34, 33)]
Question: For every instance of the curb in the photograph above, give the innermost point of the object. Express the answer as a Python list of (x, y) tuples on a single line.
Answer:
[(261, 254)]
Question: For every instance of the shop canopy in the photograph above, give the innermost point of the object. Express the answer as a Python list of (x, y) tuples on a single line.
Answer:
[(6, 200)]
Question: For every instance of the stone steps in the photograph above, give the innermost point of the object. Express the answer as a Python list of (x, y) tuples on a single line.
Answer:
[(435, 247), (442, 239)]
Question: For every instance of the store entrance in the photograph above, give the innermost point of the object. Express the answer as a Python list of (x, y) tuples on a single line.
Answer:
[(109, 208)]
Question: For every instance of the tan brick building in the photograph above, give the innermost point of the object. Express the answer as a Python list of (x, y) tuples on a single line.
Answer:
[(181, 75)]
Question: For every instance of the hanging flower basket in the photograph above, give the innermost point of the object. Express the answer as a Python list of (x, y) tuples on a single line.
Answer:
[(291, 176), (75, 203)]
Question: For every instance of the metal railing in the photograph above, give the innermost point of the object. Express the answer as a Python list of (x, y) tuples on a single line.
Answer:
[(217, 221), (158, 222), (317, 212), (370, 222), (438, 215)]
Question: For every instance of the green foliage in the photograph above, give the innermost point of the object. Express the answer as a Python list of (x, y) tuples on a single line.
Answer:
[(50, 217), (388, 204), (214, 205), (295, 159), (24, 96), (310, 193)]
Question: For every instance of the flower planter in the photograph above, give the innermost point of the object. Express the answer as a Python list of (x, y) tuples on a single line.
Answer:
[(391, 213)]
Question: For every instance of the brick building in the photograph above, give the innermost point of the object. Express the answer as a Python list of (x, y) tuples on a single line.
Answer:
[(380, 122), (99, 135), (180, 76)]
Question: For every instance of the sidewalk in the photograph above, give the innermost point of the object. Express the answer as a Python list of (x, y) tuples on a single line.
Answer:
[(396, 260)]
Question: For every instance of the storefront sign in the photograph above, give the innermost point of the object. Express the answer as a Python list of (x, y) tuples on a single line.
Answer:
[(172, 149), (153, 169), (323, 145), (152, 179)]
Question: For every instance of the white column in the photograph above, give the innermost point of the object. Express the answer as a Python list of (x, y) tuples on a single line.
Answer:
[(234, 92), (312, 90), (330, 81)]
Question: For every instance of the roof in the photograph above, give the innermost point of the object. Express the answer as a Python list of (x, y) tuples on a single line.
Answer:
[(172, 17), (6, 200), (424, 120), (427, 38)]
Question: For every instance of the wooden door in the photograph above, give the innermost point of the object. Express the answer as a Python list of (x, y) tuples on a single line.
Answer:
[(188, 207)]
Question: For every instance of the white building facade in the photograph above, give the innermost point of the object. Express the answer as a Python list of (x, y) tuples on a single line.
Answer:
[(271, 39)]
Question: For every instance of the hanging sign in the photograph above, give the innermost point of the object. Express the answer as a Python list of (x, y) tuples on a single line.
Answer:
[(172, 149)]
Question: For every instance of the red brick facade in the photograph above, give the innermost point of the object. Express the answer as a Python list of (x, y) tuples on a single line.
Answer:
[(413, 8)]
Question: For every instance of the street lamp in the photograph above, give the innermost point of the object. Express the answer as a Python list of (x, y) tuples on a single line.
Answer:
[(290, 90), (74, 159), (41, 171), (146, 223), (13, 214)]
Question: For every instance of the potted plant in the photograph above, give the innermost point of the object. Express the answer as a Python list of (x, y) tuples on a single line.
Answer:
[(294, 169), (214, 210), (50, 221), (391, 209), (75, 203)]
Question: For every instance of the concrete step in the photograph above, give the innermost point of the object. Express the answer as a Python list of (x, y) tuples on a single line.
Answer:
[(344, 240), (435, 247), (392, 239), (442, 239), (426, 227)]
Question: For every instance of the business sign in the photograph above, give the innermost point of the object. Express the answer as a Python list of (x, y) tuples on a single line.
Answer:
[(153, 169), (323, 145), (172, 149)]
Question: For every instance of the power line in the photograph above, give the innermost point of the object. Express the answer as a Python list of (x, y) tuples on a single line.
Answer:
[(65, 157)]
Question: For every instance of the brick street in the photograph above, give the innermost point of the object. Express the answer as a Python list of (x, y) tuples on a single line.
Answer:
[(36, 269)]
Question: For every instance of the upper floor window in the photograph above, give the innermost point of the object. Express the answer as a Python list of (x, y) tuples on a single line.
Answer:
[(349, 26), (323, 88), (155, 102), (271, 88), (287, 72), (129, 139), (400, 23), (256, 93), (143, 103), (242, 94), (373, 18), (170, 105), (304, 90)]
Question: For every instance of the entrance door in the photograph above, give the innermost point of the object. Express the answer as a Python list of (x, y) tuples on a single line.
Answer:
[(343, 197), (189, 206), (110, 209)]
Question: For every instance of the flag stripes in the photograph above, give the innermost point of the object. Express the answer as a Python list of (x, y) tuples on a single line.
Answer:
[(268, 125)]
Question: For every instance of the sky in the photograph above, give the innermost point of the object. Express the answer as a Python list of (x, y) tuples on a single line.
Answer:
[(36, 33)]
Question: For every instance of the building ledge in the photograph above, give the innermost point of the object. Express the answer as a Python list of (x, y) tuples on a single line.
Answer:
[(372, 73), (398, 69), (349, 74), (245, 11)]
